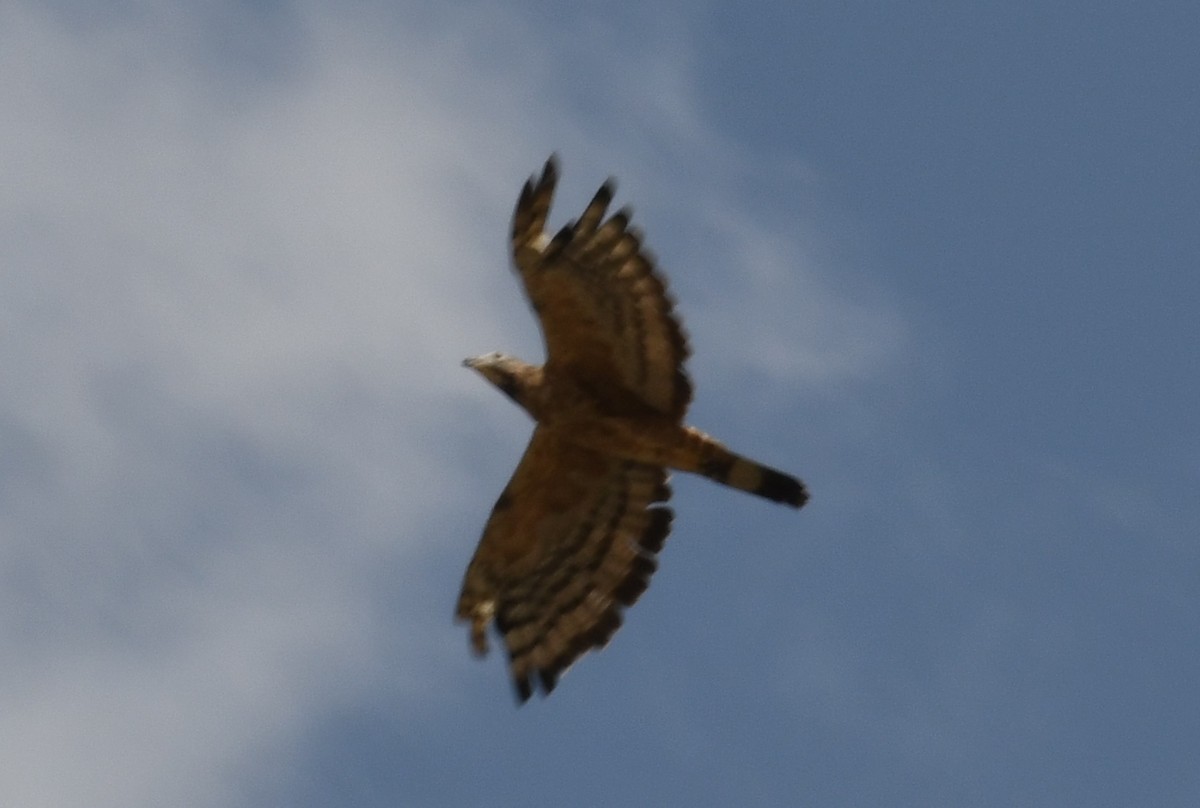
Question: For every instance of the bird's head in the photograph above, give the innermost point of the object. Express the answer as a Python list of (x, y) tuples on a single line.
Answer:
[(506, 372)]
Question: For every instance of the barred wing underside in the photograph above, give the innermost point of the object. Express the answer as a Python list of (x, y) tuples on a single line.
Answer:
[(604, 310), (570, 542)]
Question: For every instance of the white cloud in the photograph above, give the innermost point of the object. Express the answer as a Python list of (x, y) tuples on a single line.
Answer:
[(233, 301), (233, 319)]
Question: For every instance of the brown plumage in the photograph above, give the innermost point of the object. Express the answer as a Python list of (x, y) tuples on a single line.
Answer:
[(573, 538)]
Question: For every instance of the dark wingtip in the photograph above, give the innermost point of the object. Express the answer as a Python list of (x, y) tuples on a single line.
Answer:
[(605, 193), (536, 184), (526, 196), (656, 532), (783, 488), (523, 689), (549, 677), (623, 215), (637, 580)]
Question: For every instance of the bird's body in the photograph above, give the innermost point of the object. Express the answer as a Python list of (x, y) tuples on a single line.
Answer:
[(573, 537)]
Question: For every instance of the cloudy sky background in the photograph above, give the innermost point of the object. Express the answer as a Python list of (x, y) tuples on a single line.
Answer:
[(942, 263)]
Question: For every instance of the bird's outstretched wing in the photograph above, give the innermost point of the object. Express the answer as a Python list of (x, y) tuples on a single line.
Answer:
[(605, 312), (570, 542)]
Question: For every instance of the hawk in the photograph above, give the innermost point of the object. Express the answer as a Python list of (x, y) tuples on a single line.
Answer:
[(572, 539)]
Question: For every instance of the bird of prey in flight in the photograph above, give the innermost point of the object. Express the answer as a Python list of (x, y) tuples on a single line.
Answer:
[(573, 538)]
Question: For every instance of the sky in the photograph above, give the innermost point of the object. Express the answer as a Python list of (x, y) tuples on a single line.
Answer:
[(939, 261)]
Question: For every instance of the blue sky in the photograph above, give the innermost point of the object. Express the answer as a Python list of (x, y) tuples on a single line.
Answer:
[(940, 262)]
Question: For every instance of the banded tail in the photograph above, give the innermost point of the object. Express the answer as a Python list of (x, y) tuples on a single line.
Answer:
[(723, 466)]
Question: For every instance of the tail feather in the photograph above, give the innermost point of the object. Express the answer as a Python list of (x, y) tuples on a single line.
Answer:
[(742, 473)]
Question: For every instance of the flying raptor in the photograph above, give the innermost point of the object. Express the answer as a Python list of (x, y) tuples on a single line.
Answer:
[(573, 538)]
